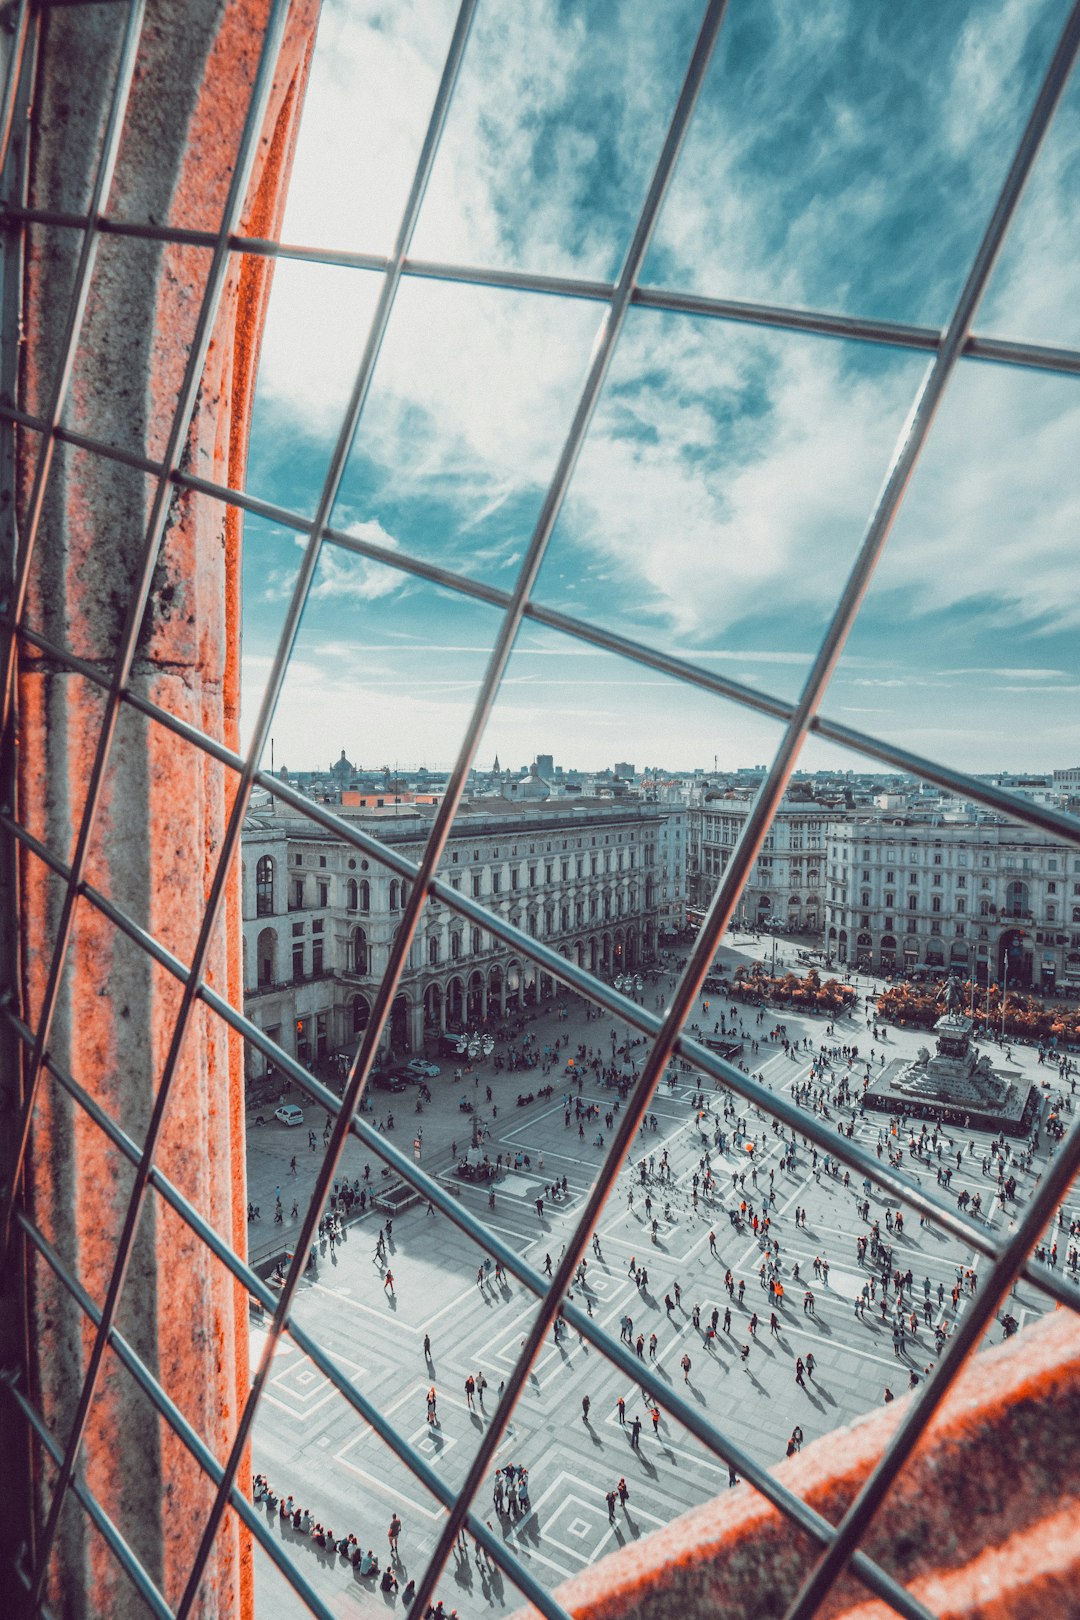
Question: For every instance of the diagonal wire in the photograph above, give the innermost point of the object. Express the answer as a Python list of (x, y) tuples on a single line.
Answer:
[(134, 618), (261, 87), (271, 694), (545, 523), (1044, 818), (604, 349), (993, 1289), (669, 300), (773, 787), (21, 30), (922, 415)]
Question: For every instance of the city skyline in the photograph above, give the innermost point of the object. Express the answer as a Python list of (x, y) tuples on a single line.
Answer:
[(728, 472)]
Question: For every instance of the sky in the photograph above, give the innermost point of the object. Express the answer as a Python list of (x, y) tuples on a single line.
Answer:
[(843, 156)]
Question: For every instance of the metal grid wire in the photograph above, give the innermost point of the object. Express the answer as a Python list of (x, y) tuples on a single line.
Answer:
[(839, 1546)]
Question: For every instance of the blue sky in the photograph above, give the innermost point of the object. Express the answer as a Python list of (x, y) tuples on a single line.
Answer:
[(844, 156)]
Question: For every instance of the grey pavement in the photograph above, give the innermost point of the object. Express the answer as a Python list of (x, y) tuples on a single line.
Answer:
[(310, 1443)]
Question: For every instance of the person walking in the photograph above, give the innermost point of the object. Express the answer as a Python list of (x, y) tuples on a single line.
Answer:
[(655, 1414), (635, 1431), (685, 1364), (585, 1403), (624, 1492), (620, 1407), (388, 1283), (393, 1533), (611, 1500)]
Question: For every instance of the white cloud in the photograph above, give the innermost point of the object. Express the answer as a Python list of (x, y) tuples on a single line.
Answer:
[(728, 472)]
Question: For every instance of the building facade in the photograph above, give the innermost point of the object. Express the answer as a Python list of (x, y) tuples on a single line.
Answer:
[(786, 886), (319, 918), (975, 897), (671, 862)]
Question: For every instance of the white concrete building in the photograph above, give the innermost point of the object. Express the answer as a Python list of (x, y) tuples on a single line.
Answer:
[(970, 897), (319, 918), (785, 890), (671, 862)]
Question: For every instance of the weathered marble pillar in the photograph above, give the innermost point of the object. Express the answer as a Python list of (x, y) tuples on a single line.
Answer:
[(165, 804)]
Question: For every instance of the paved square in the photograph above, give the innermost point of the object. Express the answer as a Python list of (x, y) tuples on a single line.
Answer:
[(310, 1442)]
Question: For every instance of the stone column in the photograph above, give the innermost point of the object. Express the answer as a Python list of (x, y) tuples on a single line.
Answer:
[(165, 804)]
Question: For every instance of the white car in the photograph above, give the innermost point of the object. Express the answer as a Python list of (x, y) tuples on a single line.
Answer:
[(422, 1069), (289, 1114)]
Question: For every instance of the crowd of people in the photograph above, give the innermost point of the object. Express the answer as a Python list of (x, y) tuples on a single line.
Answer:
[(349, 1547)]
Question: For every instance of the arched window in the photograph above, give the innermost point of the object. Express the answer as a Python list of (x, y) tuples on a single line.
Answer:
[(1076, 914), (267, 956), (365, 895), (359, 951), (455, 945), (1016, 900), (394, 891), (361, 1012), (433, 951), (264, 887), (549, 919), (350, 894)]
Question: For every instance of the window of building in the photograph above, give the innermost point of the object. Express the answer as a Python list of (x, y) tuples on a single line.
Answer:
[(476, 885), (298, 960), (298, 895), (324, 894), (264, 887), (266, 957), (913, 902), (316, 957)]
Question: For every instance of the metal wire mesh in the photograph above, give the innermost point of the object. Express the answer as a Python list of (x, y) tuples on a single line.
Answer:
[(839, 1545)]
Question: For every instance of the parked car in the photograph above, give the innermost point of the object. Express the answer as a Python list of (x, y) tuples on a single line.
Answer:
[(388, 1082), (289, 1114), (422, 1069)]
